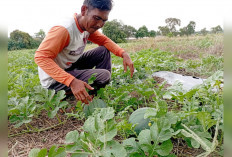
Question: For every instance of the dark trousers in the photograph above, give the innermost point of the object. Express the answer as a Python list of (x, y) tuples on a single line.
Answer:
[(99, 59)]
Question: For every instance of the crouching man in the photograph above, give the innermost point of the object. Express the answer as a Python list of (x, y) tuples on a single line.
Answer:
[(62, 62)]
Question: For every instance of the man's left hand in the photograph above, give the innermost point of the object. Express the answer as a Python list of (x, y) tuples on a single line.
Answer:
[(128, 62)]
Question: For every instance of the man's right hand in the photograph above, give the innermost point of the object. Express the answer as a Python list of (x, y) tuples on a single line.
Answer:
[(79, 91)]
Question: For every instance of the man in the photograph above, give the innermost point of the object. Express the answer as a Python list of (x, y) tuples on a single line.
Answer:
[(62, 65)]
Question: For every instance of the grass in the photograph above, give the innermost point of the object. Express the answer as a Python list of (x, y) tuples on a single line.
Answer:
[(187, 47)]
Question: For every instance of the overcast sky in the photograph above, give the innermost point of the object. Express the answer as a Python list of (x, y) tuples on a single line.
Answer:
[(32, 15)]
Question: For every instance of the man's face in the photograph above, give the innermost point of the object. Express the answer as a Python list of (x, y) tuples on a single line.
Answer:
[(94, 19)]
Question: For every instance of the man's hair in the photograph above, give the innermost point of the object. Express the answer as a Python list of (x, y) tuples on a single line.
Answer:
[(104, 5)]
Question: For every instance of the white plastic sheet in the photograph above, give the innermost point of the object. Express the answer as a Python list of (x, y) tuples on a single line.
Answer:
[(188, 81)]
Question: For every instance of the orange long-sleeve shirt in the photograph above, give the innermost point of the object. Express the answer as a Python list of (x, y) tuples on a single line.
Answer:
[(62, 46)]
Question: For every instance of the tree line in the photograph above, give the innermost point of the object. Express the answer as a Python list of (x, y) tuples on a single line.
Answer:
[(119, 32), (116, 31), (22, 40)]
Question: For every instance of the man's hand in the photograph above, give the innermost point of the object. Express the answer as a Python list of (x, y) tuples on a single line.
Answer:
[(127, 62), (79, 91)]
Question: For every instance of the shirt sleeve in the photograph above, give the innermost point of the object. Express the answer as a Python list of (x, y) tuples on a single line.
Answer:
[(54, 42), (102, 40)]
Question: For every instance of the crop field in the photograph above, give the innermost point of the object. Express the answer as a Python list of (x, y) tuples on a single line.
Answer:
[(130, 117)]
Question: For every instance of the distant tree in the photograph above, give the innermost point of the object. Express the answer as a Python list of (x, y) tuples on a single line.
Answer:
[(142, 32), (188, 30), (216, 29), (152, 33), (164, 30), (21, 40), (158, 33), (130, 31), (114, 30), (40, 34), (171, 24), (204, 31), (191, 27), (183, 31)]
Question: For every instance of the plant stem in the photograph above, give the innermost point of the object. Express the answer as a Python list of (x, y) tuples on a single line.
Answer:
[(58, 118), (36, 130)]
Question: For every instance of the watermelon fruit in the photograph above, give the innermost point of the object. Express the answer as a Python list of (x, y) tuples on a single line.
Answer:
[(137, 117)]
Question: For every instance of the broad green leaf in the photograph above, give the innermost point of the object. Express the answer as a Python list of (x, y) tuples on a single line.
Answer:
[(56, 152), (107, 113), (50, 95), (115, 149), (162, 108), (73, 147), (92, 78), (150, 112), (72, 137), (34, 152), (14, 118), (172, 117), (60, 94), (89, 125), (144, 137), (52, 114), (109, 132), (194, 143), (79, 155), (160, 131), (165, 148), (132, 148), (14, 111), (206, 120)]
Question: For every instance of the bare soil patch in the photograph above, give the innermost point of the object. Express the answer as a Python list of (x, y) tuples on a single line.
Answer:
[(20, 146)]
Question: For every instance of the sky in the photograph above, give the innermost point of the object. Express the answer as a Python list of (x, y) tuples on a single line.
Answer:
[(32, 15)]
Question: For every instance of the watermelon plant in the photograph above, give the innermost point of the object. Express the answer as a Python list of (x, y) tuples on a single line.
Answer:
[(96, 103)]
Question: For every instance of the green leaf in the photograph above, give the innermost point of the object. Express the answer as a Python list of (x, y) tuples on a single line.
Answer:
[(14, 111), (165, 148), (162, 108), (72, 137), (160, 131), (60, 95), (79, 155), (34, 152), (110, 131), (144, 137), (107, 113), (132, 147), (150, 112), (52, 114), (172, 117), (194, 143), (115, 149), (92, 78), (54, 152), (14, 118), (206, 120)]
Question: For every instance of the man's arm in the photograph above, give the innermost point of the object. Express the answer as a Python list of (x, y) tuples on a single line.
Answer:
[(54, 42), (102, 40)]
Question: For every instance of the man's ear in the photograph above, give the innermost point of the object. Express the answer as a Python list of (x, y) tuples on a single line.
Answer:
[(84, 10)]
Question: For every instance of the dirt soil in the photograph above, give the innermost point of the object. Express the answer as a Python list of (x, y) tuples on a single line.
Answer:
[(20, 145)]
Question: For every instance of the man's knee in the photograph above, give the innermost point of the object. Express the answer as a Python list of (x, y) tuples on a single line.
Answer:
[(104, 51), (103, 77)]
